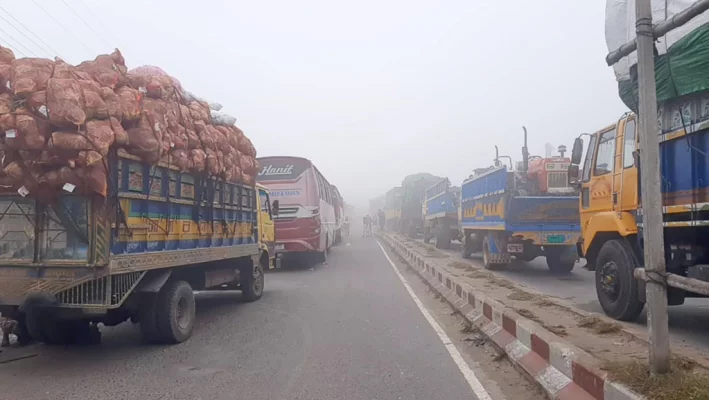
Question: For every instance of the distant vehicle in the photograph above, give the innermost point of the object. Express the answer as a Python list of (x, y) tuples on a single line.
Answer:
[(339, 205), (306, 223), (520, 213), (413, 190), (440, 214)]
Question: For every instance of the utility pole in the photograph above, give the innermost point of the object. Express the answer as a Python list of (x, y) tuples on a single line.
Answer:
[(653, 229)]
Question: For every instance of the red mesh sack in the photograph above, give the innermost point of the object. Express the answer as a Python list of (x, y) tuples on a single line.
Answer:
[(4, 77), (6, 55), (69, 141), (129, 102), (7, 122), (107, 70), (88, 158), (101, 135), (31, 133), (120, 134), (62, 70), (94, 106), (181, 158), (199, 159), (143, 143), (59, 177), (5, 103), (29, 75), (113, 105), (199, 111), (65, 102), (156, 111), (37, 103), (96, 179)]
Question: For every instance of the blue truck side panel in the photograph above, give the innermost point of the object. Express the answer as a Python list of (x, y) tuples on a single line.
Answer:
[(183, 211), (685, 169), (442, 203), (489, 203)]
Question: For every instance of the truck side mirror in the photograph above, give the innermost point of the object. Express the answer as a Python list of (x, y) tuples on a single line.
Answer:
[(573, 175), (274, 208), (577, 151)]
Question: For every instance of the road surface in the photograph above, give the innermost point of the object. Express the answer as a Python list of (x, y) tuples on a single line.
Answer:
[(347, 330), (688, 323)]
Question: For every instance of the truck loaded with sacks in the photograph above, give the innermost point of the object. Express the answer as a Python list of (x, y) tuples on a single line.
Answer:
[(120, 194)]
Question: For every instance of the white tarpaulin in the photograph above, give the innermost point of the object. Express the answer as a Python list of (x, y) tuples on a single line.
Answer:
[(620, 28)]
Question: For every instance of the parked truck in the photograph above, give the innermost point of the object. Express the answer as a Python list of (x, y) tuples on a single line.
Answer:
[(413, 189), (440, 214), (69, 265), (507, 212), (608, 176)]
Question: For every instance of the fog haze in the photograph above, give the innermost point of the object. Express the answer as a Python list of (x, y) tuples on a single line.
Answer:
[(369, 91)]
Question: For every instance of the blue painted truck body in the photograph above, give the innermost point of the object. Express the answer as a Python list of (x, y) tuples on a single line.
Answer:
[(440, 213), (496, 219)]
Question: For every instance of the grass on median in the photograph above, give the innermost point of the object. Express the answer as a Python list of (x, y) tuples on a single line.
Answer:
[(599, 326), (682, 383)]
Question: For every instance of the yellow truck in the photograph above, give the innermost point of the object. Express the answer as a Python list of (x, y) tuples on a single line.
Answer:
[(137, 255), (611, 210)]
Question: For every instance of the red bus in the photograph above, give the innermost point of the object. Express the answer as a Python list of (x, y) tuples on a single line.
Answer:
[(306, 221)]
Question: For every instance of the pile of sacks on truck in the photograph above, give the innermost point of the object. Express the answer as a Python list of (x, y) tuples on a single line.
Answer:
[(59, 123)]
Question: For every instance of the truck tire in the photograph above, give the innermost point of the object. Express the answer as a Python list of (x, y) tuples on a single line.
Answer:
[(465, 248), (443, 238), (616, 287), (252, 282), (43, 327), (555, 263), (148, 318), (487, 263), (175, 312)]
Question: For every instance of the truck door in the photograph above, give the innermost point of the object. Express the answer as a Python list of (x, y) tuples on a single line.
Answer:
[(626, 185), (597, 177), (266, 225)]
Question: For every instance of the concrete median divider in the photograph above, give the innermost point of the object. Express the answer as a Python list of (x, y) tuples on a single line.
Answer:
[(561, 369)]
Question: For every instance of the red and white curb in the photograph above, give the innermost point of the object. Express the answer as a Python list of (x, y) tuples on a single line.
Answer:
[(564, 371)]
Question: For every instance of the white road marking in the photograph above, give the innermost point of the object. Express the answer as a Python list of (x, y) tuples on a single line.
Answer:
[(463, 366)]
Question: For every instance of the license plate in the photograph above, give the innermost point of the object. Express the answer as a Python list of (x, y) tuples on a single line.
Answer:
[(515, 248), (280, 247), (555, 239)]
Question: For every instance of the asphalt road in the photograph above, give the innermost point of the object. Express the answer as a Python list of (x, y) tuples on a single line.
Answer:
[(347, 330), (689, 323)]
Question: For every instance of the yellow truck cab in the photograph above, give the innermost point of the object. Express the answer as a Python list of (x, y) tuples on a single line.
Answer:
[(611, 211), (266, 227)]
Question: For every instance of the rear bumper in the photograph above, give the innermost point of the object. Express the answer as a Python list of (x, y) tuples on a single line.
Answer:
[(298, 245)]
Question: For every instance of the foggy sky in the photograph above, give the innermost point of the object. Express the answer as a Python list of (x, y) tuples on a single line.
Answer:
[(370, 91)]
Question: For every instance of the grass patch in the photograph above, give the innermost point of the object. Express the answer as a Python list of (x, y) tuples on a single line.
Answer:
[(478, 274), (527, 314), (459, 265), (545, 303), (558, 330), (521, 295), (599, 326), (682, 383), (501, 283), (467, 328)]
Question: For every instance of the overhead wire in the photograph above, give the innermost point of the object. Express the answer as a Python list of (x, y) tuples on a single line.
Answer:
[(47, 46), (10, 46), (100, 22), (18, 42), (86, 23), (25, 35), (62, 26)]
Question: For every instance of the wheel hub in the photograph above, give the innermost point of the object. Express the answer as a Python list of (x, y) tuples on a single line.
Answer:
[(258, 280), (182, 313), (608, 279)]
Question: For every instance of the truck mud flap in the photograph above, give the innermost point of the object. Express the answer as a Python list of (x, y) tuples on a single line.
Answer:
[(154, 281)]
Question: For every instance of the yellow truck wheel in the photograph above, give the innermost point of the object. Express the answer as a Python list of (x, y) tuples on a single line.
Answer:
[(616, 287)]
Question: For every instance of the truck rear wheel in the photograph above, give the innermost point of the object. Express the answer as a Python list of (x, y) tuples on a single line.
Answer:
[(466, 247), (555, 261), (148, 318), (443, 238), (252, 282), (175, 312), (487, 259), (616, 287)]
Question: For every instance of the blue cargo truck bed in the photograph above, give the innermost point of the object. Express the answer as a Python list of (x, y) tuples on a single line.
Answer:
[(498, 221)]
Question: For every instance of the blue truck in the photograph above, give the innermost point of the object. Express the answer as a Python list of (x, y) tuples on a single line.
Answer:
[(70, 263), (499, 218), (440, 214)]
